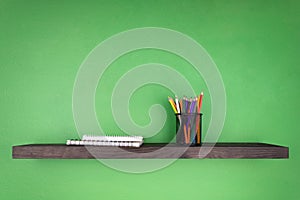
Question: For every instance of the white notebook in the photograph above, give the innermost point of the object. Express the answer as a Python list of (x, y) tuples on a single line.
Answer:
[(121, 141)]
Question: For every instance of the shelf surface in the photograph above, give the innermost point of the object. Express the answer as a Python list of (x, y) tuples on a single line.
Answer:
[(150, 150)]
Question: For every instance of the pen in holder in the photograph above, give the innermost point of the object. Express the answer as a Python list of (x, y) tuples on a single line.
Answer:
[(189, 128)]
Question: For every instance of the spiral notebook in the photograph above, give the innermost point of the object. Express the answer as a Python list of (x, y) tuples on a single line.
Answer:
[(120, 141)]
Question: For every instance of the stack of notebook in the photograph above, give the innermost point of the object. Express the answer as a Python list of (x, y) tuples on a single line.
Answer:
[(121, 141)]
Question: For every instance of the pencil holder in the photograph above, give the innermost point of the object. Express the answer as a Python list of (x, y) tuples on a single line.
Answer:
[(189, 129)]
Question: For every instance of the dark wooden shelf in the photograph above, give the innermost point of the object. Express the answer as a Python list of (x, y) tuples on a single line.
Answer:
[(220, 150)]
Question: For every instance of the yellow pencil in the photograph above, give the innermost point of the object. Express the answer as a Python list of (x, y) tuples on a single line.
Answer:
[(172, 104), (198, 135)]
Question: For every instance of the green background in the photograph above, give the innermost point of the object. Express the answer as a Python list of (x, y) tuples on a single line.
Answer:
[(255, 45)]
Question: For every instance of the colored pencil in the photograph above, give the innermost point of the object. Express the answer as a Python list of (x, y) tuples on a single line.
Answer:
[(172, 104)]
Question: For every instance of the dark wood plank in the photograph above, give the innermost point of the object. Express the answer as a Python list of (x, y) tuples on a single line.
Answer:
[(207, 150)]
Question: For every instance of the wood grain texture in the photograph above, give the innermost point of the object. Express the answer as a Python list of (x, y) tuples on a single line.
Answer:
[(219, 150)]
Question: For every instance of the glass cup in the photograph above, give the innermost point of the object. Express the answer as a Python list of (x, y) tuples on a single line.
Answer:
[(189, 128)]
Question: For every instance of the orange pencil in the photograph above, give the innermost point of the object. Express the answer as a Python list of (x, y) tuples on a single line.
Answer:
[(185, 134), (189, 134)]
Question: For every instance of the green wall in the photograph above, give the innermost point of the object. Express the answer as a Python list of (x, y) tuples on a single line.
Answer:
[(255, 45)]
